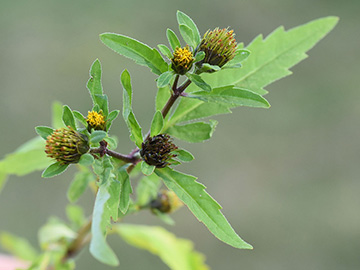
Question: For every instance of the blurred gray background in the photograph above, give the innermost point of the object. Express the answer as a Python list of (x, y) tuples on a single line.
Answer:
[(287, 177)]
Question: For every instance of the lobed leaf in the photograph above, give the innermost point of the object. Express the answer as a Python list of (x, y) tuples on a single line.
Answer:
[(202, 205)]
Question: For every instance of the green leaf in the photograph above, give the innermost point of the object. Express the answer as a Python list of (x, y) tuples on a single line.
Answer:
[(141, 53), (166, 218), (199, 81), (111, 117), (173, 39), (164, 79), (103, 103), (44, 132), (53, 231), (94, 83), (97, 135), (272, 57), (68, 117), (193, 132), (80, 117), (199, 56), (233, 96), (157, 124), (146, 168), (136, 135), (184, 19), (183, 155), (57, 109), (75, 214), (106, 207), (165, 51), (86, 160), (125, 189), (112, 142), (147, 189), (54, 170), (79, 185), (18, 246), (202, 205), (241, 55), (162, 97), (187, 35), (176, 253)]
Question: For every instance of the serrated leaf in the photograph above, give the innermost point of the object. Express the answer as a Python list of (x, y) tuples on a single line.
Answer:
[(147, 169), (184, 19), (202, 205), (79, 185), (68, 117), (165, 50), (97, 136), (272, 57), (164, 79), (173, 39), (106, 207), (199, 81), (80, 118), (176, 253), (157, 124), (183, 155), (44, 132), (18, 246), (54, 170), (193, 132), (141, 53), (233, 96)]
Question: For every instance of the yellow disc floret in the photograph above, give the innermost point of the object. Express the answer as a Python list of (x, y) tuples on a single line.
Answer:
[(96, 120), (182, 60)]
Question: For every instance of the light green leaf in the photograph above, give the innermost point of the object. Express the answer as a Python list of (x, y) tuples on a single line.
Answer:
[(86, 160), (76, 215), (68, 117), (147, 189), (199, 56), (193, 132), (202, 205), (103, 103), (113, 115), (165, 51), (199, 81), (53, 231), (56, 119), (184, 155), (141, 53), (233, 96), (146, 168), (241, 55), (162, 97), (54, 170), (184, 19), (112, 142), (80, 118), (44, 132), (187, 35), (176, 253), (173, 39), (135, 129), (164, 79), (94, 83), (166, 218), (18, 246), (106, 207), (79, 185), (157, 124), (272, 57), (97, 136), (125, 189)]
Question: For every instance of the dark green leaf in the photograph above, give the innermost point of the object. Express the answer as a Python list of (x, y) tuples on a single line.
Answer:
[(79, 185), (18, 246), (173, 39), (94, 83), (157, 124), (80, 117), (68, 117), (202, 205), (165, 51), (141, 53), (199, 81), (184, 19), (97, 136), (193, 132), (146, 168), (164, 79), (184, 155), (54, 169), (44, 132), (125, 189)]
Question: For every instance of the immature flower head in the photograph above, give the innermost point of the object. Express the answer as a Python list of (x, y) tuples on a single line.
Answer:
[(96, 120), (166, 202), (66, 145), (182, 60), (219, 46), (157, 150)]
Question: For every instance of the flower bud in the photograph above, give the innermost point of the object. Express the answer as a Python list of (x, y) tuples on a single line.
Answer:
[(66, 145), (157, 150), (182, 60), (166, 202), (96, 121), (219, 46)]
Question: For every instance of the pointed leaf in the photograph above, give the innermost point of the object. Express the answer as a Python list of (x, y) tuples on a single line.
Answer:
[(184, 155), (184, 19), (147, 169), (199, 81), (202, 205), (94, 83), (79, 185), (56, 117), (164, 79), (68, 117), (125, 189), (80, 118), (44, 132), (173, 39), (157, 124), (165, 51), (187, 35), (54, 169), (193, 132)]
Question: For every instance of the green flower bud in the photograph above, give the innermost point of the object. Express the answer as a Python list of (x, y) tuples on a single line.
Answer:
[(96, 121), (66, 145), (182, 60), (157, 150), (219, 46), (166, 202)]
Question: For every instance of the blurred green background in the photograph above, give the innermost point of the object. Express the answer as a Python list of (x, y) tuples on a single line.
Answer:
[(287, 177)]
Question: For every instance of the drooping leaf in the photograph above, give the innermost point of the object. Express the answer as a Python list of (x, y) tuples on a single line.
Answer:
[(79, 185), (18, 246), (106, 207), (94, 83), (68, 117), (202, 205), (125, 189), (44, 132), (184, 19), (141, 53), (176, 253), (193, 132), (157, 124), (173, 39), (164, 79), (54, 170)]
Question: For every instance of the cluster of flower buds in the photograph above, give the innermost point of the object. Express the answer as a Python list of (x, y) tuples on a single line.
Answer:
[(157, 150), (182, 60), (66, 145), (166, 202), (219, 46), (96, 121)]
